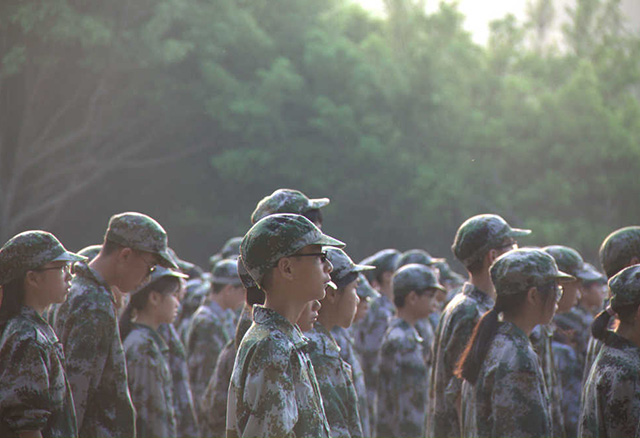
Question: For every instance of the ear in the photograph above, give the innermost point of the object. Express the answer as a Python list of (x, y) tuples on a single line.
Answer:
[(125, 254), (31, 279), (491, 256), (533, 297), (331, 295), (285, 268), (154, 298), (411, 298)]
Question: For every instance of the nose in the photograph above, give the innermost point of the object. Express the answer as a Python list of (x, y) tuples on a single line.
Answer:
[(329, 266)]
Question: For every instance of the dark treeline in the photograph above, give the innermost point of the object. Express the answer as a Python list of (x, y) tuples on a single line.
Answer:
[(192, 110)]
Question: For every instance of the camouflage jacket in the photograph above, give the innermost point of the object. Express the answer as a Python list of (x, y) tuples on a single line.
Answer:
[(206, 337), (570, 373), (574, 328), (214, 401), (150, 382), (510, 398), (611, 396), (273, 389), (186, 419), (368, 335), (336, 383), (402, 383), (426, 332), (348, 354), (541, 339), (454, 330), (35, 393), (87, 325)]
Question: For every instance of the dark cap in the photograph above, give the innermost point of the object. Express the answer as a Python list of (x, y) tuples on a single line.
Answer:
[(286, 201), (231, 248), (419, 256), (226, 272), (414, 277), (618, 248), (364, 289), (625, 287), (343, 266), (90, 252), (570, 261), (384, 260)]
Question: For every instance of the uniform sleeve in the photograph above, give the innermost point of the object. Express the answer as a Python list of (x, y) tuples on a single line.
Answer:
[(622, 407), (215, 399), (24, 392), (460, 335), (389, 381), (204, 344)]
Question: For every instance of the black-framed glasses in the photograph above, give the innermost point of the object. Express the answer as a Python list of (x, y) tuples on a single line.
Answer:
[(66, 268), (322, 255), (150, 266), (559, 292)]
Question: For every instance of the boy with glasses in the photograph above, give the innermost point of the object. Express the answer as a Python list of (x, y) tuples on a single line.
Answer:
[(87, 323)]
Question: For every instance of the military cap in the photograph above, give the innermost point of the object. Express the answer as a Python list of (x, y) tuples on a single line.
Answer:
[(520, 269), (419, 256), (245, 278), (139, 231), (625, 287), (183, 265), (595, 275), (448, 274), (480, 234), (344, 270), (570, 261), (215, 259), (30, 250), (226, 272), (414, 277), (231, 248), (90, 252), (384, 260), (158, 273), (286, 201), (618, 248), (364, 289), (277, 236)]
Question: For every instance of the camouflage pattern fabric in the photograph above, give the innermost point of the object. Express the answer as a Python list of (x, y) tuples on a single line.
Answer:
[(510, 398), (454, 331), (336, 383), (569, 370), (273, 389), (286, 201), (206, 337), (150, 382), (368, 334), (348, 353), (611, 397), (575, 327), (35, 393), (87, 325), (427, 333), (402, 383), (593, 349), (541, 340), (183, 403)]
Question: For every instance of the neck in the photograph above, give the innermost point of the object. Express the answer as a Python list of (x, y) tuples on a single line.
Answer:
[(290, 310), (406, 315), (522, 322), (147, 319), (629, 332), (103, 266), (30, 300), (482, 280), (326, 318), (218, 299), (387, 290)]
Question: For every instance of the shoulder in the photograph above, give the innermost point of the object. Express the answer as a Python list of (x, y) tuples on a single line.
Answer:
[(266, 348)]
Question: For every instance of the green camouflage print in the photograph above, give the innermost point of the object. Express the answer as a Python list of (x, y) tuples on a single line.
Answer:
[(231, 248), (139, 231), (611, 396), (509, 398), (343, 266), (226, 272), (87, 325), (35, 393), (150, 382), (402, 383), (384, 260), (206, 337), (618, 248), (593, 349), (273, 389), (479, 234), (364, 289), (570, 261), (419, 256), (184, 406), (454, 330), (625, 287), (449, 275), (286, 201), (31, 250), (90, 252), (414, 277), (336, 383), (214, 401), (540, 338), (278, 236), (569, 370), (348, 353)]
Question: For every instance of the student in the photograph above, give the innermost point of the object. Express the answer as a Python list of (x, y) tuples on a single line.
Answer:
[(402, 381), (333, 373), (35, 396), (509, 397), (273, 389), (148, 369), (87, 323), (611, 396), (478, 242)]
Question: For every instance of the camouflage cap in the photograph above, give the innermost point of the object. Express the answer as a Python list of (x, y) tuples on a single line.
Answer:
[(231, 248), (343, 266), (384, 260), (594, 275), (90, 252), (226, 272), (625, 287), (278, 236), (419, 256), (618, 248), (479, 234), (521, 269), (414, 277), (183, 265), (215, 259), (286, 201), (245, 278), (569, 260), (364, 289), (448, 274), (139, 231), (31, 250)]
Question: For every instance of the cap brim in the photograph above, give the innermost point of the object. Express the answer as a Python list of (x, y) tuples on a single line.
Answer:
[(166, 261), (70, 257), (318, 203), (588, 275), (434, 260), (519, 232), (361, 268), (563, 277), (325, 240)]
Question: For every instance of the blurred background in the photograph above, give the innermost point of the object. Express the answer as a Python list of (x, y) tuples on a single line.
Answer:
[(410, 115)]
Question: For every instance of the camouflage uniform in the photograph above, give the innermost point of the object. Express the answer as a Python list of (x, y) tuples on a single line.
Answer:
[(402, 383), (454, 331), (510, 397), (150, 382), (426, 332), (197, 291), (35, 393), (570, 374), (187, 422), (273, 389), (336, 384)]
